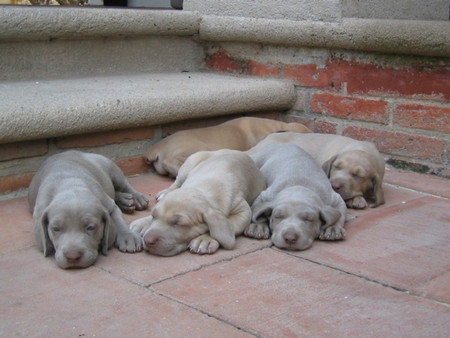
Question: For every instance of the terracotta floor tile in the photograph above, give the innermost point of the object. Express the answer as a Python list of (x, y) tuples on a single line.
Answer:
[(43, 301), (401, 246), (274, 294), (427, 183)]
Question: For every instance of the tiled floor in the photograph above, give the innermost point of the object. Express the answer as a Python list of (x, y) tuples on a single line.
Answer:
[(389, 278)]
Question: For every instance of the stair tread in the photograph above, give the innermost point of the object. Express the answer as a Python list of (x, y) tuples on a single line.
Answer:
[(43, 109)]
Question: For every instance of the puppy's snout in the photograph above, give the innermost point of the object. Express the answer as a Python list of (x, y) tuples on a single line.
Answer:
[(147, 160), (73, 256), (290, 236), (336, 185), (150, 239)]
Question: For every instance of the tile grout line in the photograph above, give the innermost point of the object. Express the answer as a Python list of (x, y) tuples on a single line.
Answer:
[(413, 190)]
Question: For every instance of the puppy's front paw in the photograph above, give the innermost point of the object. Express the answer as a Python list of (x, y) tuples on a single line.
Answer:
[(125, 201), (357, 202), (258, 231), (332, 233), (141, 201), (129, 242), (141, 225), (203, 244)]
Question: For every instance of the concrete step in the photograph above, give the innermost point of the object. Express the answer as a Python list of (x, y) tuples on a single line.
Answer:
[(39, 43), (43, 109)]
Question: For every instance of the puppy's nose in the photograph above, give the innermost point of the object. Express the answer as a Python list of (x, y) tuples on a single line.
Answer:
[(150, 239), (290, 236), (146, 160), (336, 185), (73, 256)]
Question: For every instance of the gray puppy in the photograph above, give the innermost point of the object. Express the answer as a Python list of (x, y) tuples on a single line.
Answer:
[(75, 199), (299, 204)]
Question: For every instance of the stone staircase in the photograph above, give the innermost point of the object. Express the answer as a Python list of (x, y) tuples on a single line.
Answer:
[(77, 71)]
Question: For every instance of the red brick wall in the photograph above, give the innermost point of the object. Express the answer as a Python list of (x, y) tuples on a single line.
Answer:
[(400, 103)]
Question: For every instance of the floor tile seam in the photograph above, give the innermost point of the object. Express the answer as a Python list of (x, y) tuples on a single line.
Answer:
[(202, 266), (368, 279), (415, 191), (204, 312)]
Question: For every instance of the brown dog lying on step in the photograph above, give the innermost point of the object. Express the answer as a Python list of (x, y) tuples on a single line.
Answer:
[(169, 154), (354, 168), (206, 206), (75, 198)]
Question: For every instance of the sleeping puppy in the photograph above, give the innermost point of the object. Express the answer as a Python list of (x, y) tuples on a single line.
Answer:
[(206, 206), (299, 204), (354, 168), (169, 154), (75, 199)]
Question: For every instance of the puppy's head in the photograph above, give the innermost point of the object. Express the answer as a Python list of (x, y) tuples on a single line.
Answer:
[(177, 219), (74, 229), (296, 218), (354, 173)]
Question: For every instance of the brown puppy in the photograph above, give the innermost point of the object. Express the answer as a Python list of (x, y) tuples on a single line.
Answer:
[(169, 154), (206, 206), (355, 168)]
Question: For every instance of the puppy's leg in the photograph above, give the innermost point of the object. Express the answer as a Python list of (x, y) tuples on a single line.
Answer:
[(203, 244), (127, 198), (334, 230), (126, 240)]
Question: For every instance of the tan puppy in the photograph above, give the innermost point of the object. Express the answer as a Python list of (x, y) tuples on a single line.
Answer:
[(354, 168), (76, 199), (169, 154), (206, 206)]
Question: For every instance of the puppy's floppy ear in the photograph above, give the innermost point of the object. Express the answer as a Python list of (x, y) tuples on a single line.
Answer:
[(377, 191), (42, 237), (326, 167), (108, 233), (261, 209), (329, 216), (220, 228)]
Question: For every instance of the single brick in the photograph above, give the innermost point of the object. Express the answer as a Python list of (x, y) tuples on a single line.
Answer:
[(107, 137), (423, 117), (372, 79), (222, 62), (10, 151), (261, 69), (133, 165), (410, 146), (325, 127), (12, 183), (308, 75), (349, 107)]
